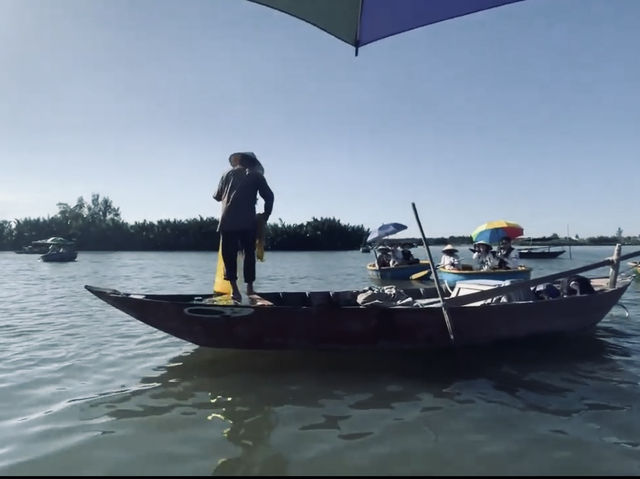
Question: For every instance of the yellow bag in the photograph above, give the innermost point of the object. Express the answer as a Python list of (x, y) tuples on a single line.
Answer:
[(221, 285), (260, 233)]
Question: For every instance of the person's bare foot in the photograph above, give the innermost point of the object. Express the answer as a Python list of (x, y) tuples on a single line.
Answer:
[(235, 292), (236, 296)]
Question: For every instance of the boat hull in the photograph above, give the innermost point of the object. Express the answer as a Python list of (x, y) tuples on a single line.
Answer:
[(324, 326), (532, 254), (59, 257), (400, 272), (451, 277)]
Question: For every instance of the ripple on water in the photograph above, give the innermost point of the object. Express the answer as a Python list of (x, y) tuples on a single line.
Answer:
[(92, 391)]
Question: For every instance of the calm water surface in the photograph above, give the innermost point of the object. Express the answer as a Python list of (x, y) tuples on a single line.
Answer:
[(87, 390)]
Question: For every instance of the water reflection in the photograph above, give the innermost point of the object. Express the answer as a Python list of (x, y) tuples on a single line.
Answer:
[(257, 394)]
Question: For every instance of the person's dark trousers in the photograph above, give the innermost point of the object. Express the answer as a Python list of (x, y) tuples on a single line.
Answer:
[(232, 242)]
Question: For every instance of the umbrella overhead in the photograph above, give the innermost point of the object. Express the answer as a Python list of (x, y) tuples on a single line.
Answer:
[(360, 22), (385, 230), (53, 240), (494, 231)]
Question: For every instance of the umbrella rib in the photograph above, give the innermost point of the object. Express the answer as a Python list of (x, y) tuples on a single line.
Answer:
[(357, 39)]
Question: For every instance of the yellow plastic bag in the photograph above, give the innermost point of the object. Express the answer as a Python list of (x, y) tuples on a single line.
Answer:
[(260, 233), (221, 285)]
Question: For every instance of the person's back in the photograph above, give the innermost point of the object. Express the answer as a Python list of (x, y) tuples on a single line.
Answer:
[(238, 191)]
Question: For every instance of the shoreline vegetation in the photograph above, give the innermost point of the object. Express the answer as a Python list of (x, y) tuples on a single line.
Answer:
[(96, 225)]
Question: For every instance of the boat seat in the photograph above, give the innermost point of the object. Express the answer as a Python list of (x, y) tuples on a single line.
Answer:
[(473, 286), (320, 298), (294, 298), (524, 294), (345, 298), (415, 293)]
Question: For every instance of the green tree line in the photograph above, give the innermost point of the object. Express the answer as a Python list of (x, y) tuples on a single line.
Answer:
[(97, 225)]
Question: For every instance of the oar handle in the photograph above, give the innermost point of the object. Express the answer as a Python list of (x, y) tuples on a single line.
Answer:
[(434, 273)]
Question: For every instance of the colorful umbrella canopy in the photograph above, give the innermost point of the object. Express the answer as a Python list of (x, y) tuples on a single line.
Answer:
[(385, 230), (494, 231), (360, 22)]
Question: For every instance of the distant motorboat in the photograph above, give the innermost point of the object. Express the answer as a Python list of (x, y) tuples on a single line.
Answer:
[(61, 256), (60, 250)]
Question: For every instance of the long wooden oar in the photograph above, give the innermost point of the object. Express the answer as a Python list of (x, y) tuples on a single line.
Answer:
[(435, 275)]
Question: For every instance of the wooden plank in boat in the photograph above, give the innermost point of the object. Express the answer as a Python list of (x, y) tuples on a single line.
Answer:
[(257, 300), (227, 300)]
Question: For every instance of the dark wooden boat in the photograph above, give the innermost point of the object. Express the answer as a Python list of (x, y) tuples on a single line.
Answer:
[(542, 252), (337, 320), (63, 256)]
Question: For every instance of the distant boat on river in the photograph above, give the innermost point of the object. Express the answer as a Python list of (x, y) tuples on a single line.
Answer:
[(539, 252)]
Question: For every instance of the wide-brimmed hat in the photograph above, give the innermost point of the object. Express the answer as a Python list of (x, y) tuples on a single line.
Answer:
[(449, 248), (249, 160), (483, 242)]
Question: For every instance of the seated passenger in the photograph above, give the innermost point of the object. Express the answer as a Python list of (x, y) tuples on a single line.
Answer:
[(383, 257), (407, 256), (484, 259), (508, 256), (396, 256), (450, 258)]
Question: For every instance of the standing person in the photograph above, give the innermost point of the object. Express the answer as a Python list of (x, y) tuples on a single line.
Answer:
[(238, 191), (508, 256), (484, 259), (450, 258)]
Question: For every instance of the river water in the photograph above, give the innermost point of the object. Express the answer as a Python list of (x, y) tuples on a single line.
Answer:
[(88, 390)]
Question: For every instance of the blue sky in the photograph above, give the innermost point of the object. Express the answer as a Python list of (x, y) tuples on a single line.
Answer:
[(528, 112)]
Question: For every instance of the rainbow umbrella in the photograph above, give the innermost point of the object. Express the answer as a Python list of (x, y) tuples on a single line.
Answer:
[(494, 231)]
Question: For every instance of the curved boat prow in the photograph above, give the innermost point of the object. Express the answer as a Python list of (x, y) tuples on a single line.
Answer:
[(101, 292)]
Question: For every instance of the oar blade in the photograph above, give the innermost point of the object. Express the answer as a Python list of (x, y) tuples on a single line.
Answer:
[(420, 275)]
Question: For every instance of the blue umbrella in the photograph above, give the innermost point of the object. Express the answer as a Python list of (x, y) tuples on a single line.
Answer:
[(360, 22), (385, 230)]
